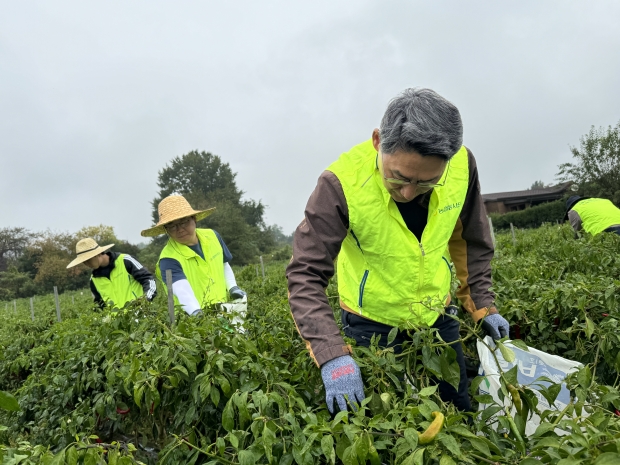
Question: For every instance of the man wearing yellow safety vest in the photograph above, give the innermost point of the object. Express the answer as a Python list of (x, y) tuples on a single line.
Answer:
[(117, 278), (198, 258), (594, 216), (395, 211)]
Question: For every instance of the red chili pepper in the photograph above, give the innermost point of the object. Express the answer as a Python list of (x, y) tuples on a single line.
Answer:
[(98, 441), (517, 329), (605, 314), (617, 412), (121, 411), (152, 408)]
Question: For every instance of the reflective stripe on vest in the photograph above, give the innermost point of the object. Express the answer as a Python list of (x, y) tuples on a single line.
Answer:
[(121, 287), (597, 214), (384, 273), (205, 276)]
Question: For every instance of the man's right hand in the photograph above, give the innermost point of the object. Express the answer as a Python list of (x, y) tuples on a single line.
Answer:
[(342, 376)]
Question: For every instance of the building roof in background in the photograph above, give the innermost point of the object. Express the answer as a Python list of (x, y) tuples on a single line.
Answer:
[(550, 193)]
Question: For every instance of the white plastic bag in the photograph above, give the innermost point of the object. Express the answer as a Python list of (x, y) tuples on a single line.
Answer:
[(238, 308), (532, 365)]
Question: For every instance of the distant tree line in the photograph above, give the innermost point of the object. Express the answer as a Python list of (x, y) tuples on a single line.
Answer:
[(34, 262)]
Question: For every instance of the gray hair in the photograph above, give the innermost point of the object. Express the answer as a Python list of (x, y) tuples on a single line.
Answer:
[(420, 120)]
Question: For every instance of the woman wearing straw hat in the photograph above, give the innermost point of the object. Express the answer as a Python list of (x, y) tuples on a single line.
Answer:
[(117, 278), (198, 258)]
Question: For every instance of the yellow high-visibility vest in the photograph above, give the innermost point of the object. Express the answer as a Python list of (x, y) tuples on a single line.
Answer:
[(384, 272), (597, 214), (205, 275), (121, 287)]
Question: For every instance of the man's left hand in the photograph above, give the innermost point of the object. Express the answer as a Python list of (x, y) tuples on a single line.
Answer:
[(495, 326), (236, 293)]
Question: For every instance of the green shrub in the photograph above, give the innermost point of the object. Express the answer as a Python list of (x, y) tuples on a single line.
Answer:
[(532, 217)]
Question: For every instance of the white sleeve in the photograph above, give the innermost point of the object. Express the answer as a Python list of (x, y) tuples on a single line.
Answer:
[(230, 276), (183, 291)]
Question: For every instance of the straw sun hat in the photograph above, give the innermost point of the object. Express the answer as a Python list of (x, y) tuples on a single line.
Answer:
[(172, 208), (87, 249)]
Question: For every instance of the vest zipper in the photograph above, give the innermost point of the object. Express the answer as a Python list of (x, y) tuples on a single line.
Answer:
[(421, 271), (447, 264), (362, 285), (357, 241)]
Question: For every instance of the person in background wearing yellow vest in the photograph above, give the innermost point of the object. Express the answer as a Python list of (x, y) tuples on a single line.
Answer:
[(389, 210), (198, 258), (592, 215), (117, 278)]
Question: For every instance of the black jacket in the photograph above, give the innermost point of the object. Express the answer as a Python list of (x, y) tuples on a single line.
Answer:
[(134, 267)]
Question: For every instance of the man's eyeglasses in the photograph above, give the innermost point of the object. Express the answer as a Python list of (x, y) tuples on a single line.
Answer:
[(422, 185), (172, 227)]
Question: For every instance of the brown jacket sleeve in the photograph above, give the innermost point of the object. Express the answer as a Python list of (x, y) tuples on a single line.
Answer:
[(471, 249), (316, 244)]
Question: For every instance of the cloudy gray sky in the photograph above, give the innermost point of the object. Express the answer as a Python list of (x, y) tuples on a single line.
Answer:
[(96, 97)]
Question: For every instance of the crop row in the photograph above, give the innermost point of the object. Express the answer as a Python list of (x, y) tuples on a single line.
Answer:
[(203, 392)]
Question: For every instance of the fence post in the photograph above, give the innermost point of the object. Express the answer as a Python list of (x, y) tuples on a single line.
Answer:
[(57, 304), (15, 306), (170, 296), (262, 265), (491, 228), (514, 239), (72, 301), (32, 308)]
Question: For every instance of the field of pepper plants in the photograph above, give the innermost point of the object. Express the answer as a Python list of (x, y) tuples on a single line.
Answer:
[(130, 388)]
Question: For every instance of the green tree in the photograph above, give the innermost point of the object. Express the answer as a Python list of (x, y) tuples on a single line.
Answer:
[(50, 254), (149, 255), (537, 185), (105, 235), (206, 181), (102, 234), (15, 284), (201, 173), (13, 242), (279, 236), (596, 169)]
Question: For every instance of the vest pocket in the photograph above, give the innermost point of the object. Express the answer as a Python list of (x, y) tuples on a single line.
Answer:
[(362, 285)]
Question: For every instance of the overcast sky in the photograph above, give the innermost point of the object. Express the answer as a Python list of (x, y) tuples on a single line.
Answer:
[(96, 97)]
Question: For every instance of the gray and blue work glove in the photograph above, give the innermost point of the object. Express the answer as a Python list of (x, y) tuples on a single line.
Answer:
[(495, 326), (236, 293), (342, 377)]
